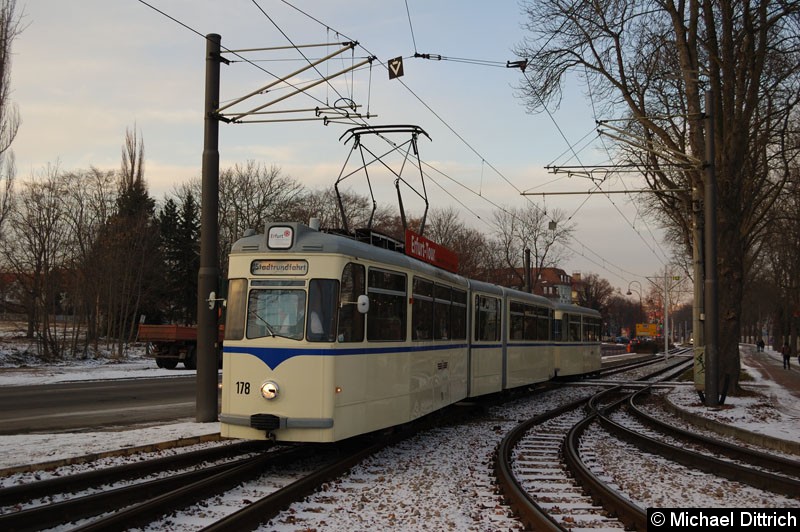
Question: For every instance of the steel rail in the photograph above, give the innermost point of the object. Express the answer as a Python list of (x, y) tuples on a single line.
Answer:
[(752, 456), (732, 471), (533, 516), (75, 482), (50, 515)]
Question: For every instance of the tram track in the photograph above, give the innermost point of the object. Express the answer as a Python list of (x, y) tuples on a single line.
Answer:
[(756, 457), (734, 462), (150, 511), (74, 498), (547, 483), (269, 479), (73, 482), (145, 503), (555, 481)]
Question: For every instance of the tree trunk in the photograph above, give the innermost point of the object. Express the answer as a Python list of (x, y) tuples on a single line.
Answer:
[(730, 281)]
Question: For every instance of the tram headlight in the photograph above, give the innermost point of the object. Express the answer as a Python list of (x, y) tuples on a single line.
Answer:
[(269, 390)]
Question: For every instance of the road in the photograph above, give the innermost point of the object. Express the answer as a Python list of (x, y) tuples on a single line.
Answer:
[(88, 405)]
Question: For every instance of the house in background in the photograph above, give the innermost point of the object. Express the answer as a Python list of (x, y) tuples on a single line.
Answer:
[(555, 283), (552, 283)]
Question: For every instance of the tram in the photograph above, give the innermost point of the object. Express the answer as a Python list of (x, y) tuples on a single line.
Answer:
[(329, 336)]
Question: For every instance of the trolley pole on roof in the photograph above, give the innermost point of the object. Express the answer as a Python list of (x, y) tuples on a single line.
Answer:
[(207, 407)]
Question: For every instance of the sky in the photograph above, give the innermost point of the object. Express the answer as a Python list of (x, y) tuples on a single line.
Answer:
[(83, 73)]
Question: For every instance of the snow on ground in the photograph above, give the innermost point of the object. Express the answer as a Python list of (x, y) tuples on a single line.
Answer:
[(18, 367), (18, 450), (440, 479), (773, 410)]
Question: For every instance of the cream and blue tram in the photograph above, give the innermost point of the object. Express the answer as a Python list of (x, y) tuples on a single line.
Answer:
[(576, 339), (486, 348), (327, 337), (308, 358), (529, 348)]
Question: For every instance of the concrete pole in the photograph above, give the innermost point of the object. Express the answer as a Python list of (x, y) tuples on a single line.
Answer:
[(528, 275), (666, 315), (207, 405), (710, 301)]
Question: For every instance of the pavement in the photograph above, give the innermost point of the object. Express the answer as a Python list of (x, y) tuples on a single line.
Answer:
[(770, 364), (766, 414)]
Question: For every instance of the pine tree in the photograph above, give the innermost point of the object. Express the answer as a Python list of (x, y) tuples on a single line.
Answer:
[(189, 265), (128, 249), (169, 229)]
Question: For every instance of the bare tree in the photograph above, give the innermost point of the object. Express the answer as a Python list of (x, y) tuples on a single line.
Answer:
[(250, 195), (322, 203), (90, 198), (622, 315), (782, 265), (517, 230), (470, 245), (595, 292), (37, 250), (10, 28), (653, 61)]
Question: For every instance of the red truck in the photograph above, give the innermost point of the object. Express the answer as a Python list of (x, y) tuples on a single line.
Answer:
[(170, 344)]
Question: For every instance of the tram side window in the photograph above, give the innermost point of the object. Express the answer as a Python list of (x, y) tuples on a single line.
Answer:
[(235, 309), (422, 310), (543, 317), (458, 315), (530, 322), (516, 321), (322, 299), (441, 313), (351, 321), (592, 328), (387, 305), (574, 328), (487, 319), (557, 330)]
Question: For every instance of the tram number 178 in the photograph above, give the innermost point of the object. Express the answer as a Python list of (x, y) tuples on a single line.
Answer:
[(242, 388)]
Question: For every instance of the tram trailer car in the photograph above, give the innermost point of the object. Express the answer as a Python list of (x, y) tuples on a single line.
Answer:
[(328, 337), (577, 333)]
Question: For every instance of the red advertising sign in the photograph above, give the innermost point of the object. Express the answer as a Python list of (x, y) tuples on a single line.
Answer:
[(421, 248)]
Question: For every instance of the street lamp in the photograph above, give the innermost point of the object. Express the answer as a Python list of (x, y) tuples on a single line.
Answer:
[(638, 292), (666, 289)]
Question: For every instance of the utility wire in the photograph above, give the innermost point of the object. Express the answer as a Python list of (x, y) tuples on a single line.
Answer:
[(232, 52), (172, 18), (663, 261), (419, 99), (411, 27), (459, 136), (328, 83)]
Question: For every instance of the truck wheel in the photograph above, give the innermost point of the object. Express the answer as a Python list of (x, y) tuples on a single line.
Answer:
[(190, 362), (167, 363)]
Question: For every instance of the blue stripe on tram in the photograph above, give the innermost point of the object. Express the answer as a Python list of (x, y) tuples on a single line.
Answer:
[(273, 357)]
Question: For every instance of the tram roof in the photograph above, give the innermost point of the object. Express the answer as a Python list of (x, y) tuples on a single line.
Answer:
[(575, 309), (308, 240)]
